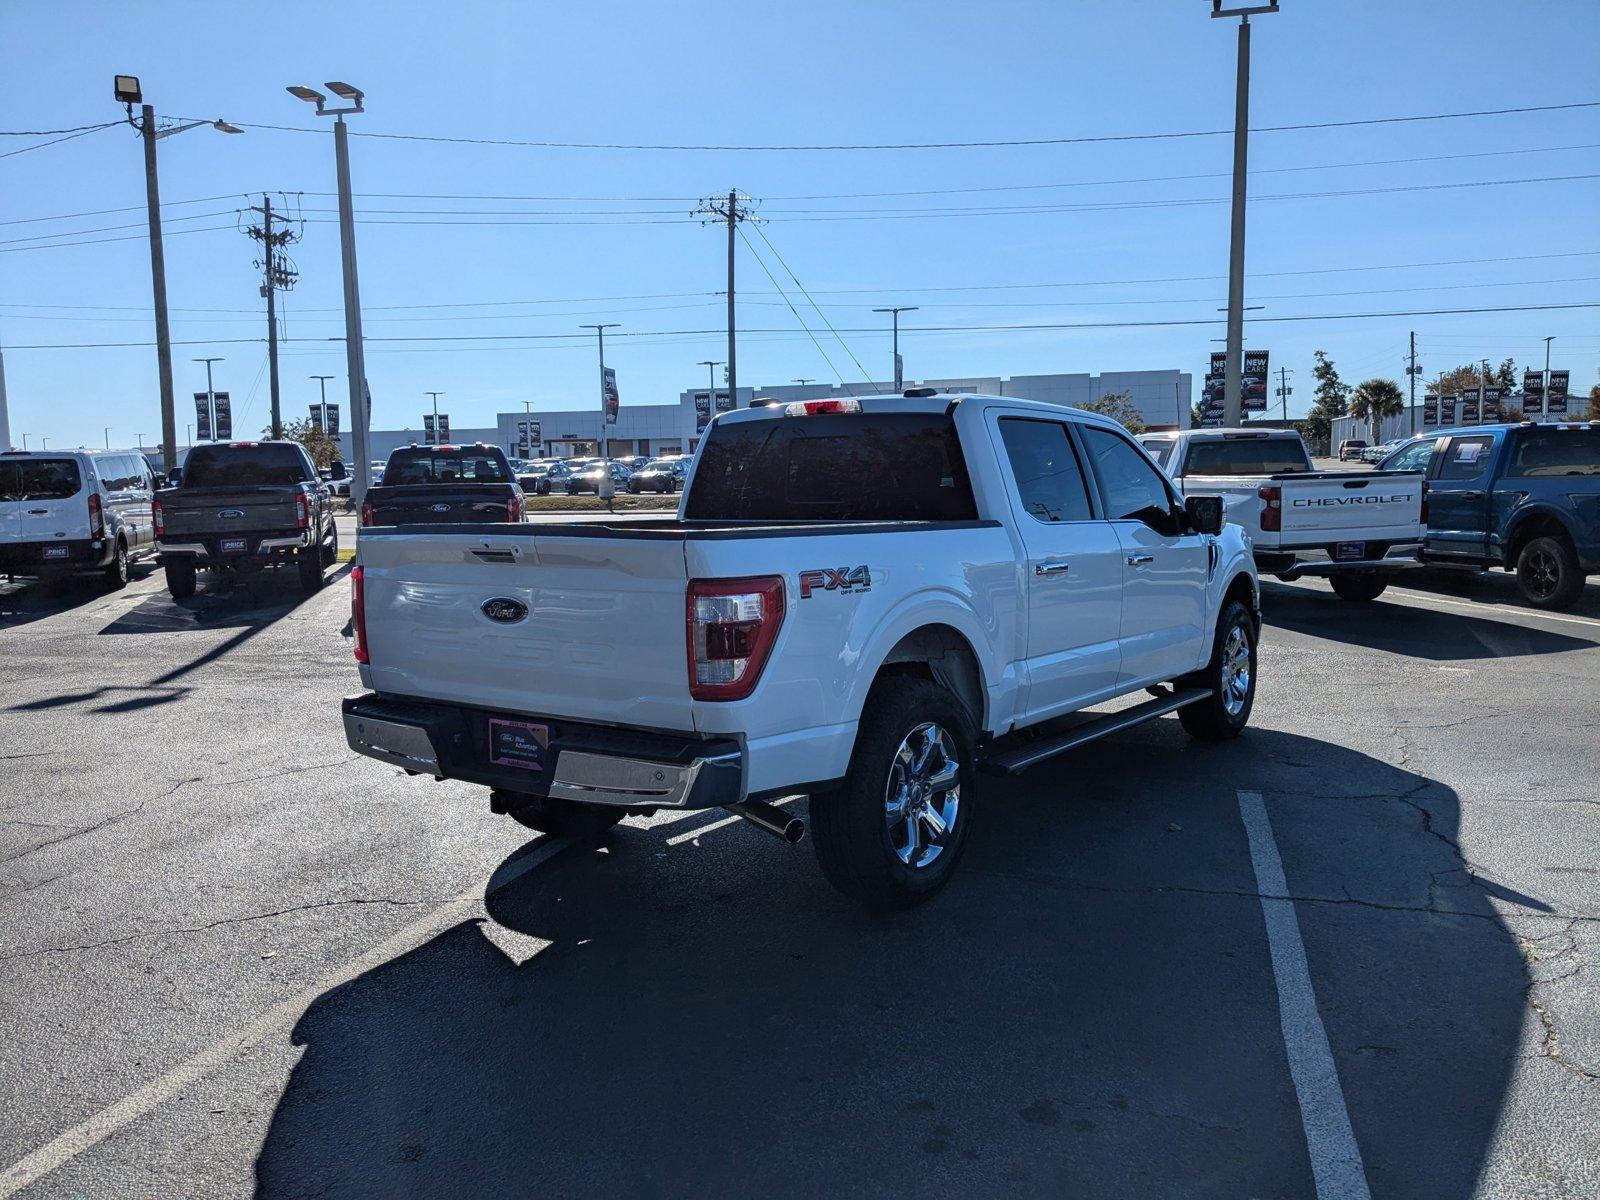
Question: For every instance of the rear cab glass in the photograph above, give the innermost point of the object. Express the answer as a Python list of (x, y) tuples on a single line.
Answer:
[(1247, 456), (1542, 453), (446, 464), (832, 467), (1159, 449), (39, 479), (261, 465)]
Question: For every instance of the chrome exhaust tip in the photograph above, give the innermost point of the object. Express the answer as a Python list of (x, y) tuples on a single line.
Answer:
[(770, 818)]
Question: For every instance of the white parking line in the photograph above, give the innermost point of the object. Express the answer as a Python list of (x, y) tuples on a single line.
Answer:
[(278, 1020), (1485, 607), (1335, 1158)]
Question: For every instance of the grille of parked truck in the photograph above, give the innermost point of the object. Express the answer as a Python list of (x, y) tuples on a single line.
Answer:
[(868, 602)]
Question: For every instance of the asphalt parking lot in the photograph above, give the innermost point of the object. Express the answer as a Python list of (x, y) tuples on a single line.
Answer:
[(236, 958)]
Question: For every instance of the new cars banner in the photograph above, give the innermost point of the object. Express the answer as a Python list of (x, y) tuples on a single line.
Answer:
[(202, 417), (1558, 391), (724, 402), (1532, 391), (333, 420), (224, 411), (427, 429), (1253, 382), (702, 411), (1430, 408), (1447, 410), (1491, 404), (1471, 408), (529, 438), (608, 387), (444, 428)]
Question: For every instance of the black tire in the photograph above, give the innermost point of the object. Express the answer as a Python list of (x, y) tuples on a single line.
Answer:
[(1359, 585), (1222, 715), (180, 577), (308, 562), (115, 573), (557, 817), (1548, 574), (857, 838)]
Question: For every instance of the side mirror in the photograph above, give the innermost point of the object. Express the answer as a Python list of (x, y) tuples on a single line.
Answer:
[(174, 477), (1203, 513), (336, 470)]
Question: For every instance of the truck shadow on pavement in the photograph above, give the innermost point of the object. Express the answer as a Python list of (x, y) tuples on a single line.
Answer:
[(1445, 635), (1090, 1008), (24, 600), (223, 601)]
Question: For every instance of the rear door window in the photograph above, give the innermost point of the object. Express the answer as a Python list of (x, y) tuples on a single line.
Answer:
[(40, 479), (262, 465), (1541, 453), (1247, 456), (427, 464), (832, 467), (1467, 457)]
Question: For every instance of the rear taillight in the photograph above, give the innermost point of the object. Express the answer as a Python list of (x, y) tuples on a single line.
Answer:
[(366, 512), (514, 507), (159, 518), (1424, 501), (1271, 509), (97, 521), (302, 510), (358, 613), (732, 624)]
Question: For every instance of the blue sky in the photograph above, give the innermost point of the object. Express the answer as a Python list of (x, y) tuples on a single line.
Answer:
[(788, 74)]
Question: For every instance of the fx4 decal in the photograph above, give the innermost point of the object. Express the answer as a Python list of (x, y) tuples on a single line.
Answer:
[(835, 579)]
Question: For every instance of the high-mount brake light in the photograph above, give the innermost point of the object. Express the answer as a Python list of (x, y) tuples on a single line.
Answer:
[(358, 613), (817, 408), (1271, 509), (731, 625)]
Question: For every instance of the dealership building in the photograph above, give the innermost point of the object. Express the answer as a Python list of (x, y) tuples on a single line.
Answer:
[(1163, 399)]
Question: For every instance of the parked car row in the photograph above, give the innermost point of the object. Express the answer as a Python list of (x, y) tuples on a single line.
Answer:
[(577, 476)]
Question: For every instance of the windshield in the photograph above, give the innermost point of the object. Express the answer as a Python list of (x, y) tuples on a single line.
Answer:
[(1247, 456), (265, 464), (446, 464), (833, 467), (39, 479)]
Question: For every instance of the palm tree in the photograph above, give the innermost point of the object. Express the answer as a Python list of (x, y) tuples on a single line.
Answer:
[(1374, 400)]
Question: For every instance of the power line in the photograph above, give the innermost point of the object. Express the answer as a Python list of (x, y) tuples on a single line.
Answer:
[(920, 329), (865, 377), (42, 237), (134, 237), (1050, 141), (101, 212), (54, 132), (801, 321), (57, 141)]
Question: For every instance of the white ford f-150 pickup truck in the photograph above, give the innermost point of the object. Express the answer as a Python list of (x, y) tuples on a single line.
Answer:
[(1357, 528), (863, 601)]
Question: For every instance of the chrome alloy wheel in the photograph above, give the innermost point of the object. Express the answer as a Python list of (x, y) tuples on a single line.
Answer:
[(922, 799), (1541, 574), (1235, 671)]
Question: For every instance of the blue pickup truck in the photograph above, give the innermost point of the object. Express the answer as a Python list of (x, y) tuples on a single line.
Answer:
[(1523, 497)]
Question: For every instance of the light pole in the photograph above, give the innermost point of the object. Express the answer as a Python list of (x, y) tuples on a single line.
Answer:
[(355, 354), (322, 382), (126, 89), (1232, 400), (211, 397), (140, 436), (802, 382), (604, 440), (898, 381), (108, 437), (437, 441), (711, 365), (1544, 400), (44, 443)]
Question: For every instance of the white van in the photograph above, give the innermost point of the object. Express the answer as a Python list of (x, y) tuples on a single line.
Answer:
[(75, 511)]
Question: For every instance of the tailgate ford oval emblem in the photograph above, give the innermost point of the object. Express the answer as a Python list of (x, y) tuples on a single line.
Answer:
[(231, 513), (504, 609), (440, 508)]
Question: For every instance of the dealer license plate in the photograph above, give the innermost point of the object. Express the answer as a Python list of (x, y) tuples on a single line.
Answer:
[(1349, 551), (235, 545), (55, 551), (518, 744)]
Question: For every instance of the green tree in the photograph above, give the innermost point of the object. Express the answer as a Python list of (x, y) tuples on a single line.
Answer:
[(322, 448), (1332, 401), (1594, 404), (1375, 400), (1119, 406)]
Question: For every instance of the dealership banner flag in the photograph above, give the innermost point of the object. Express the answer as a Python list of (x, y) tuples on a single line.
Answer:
[(1558, 391), (427, 429), (333, 420), (1430, 408), (224, 408), (1532, 391), (1447, 410), (1471, 414), (1253, 381), (1491, 404), (202, 417), (724, 402), (608, 387), (702, 411)]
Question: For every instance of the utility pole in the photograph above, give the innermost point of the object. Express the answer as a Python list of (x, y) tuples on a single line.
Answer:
[(899, 383), (1483, 390), (1544, 400), (277, 274), (733, 208), (711, 366), (1411, 381), (1232, 400), (1284, 391)]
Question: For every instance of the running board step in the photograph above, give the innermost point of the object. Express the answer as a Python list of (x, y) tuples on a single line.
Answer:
[(1017, 759)]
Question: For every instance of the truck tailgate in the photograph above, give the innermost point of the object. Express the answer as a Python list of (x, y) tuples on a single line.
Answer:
[(602, 638), (443, 504), (1383, 506), (226, 510)]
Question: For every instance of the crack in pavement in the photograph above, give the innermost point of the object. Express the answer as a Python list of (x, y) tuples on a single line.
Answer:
[(349, 758), (113, 819), (246, 919)]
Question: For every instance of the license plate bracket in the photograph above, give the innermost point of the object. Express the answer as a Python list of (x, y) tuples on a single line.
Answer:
[(235, 545), (1349, 551), (51, 552), (521, 745)]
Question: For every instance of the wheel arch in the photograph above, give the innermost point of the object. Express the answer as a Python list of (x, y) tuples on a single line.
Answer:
[(1529, 524), (943, 655)]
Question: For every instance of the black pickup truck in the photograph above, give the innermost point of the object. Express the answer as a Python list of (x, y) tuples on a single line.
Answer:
[(243, 506), (453, 485)]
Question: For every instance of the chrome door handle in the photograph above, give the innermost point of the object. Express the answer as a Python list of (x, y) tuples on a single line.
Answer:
[(1139, 560), (1051, 568)]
